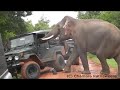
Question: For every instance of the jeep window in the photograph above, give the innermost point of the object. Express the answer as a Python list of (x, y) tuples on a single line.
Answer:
[(40, 36), (22, 41)]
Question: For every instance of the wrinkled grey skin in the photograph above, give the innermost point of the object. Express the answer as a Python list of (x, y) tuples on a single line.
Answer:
[(96, 36)]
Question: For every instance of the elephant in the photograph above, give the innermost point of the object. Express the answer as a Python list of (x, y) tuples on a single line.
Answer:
[(95, 36)]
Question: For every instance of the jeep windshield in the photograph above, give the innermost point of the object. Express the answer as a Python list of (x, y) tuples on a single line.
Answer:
[(22, 41)]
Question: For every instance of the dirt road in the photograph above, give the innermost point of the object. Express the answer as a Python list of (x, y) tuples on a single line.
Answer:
[(76, 73)]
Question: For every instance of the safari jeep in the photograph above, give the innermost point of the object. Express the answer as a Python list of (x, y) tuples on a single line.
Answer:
[(28, 55)]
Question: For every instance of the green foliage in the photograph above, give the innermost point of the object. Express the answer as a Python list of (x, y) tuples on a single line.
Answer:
[(112, 63), (29, 26), (53, 26), (42, 24), (11, 23), (88, 14), (8, 35), (110, 16)]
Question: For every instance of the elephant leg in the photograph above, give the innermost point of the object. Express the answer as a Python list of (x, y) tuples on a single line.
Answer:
[(105, 68), (76, 62), (83, 57), (117, 59), (70, 60)]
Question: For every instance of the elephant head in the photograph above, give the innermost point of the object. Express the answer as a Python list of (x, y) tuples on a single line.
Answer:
[(62, 28)]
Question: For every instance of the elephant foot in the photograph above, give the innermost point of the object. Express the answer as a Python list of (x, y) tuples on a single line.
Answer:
[(67, 70), (105, 72), (86, 72)]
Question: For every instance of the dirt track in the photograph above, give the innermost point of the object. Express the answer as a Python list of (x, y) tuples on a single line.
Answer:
[(76, 73)]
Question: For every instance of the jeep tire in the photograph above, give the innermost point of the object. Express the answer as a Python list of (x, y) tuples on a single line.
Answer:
[(30, 70), (59, 63)]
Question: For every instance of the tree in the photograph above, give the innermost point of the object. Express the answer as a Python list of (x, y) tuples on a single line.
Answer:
[(29, 26), (53, 26), (110, 16), (43, 23), (88, 14), (12, 22)]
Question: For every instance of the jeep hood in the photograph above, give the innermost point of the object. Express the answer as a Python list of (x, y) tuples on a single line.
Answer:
[(19, 50)]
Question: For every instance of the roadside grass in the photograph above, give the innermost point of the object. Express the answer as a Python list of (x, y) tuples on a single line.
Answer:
[(111, 62)]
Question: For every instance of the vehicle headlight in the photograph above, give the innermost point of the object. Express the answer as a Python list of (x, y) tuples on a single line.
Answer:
[(16, 57), (9, 58)]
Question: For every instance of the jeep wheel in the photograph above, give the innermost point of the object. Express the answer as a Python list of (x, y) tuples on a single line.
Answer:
[(59, 63), (30, 70)]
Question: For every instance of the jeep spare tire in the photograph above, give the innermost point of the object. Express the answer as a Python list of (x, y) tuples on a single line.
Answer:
[(30, 70), (59, 63)]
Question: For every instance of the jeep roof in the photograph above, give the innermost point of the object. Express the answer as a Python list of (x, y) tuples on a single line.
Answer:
[(35, 32), (40, 31)]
